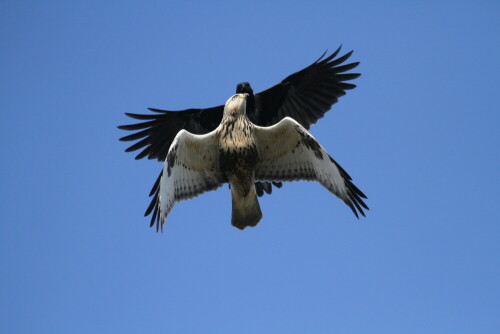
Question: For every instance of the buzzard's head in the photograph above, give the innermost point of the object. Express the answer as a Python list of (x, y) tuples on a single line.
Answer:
[(236, 105)]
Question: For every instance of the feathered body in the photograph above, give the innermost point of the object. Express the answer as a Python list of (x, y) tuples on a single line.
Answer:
[(238, 157)]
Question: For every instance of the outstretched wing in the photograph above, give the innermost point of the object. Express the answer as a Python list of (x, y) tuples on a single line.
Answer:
[(307, 94), (289, 152), (191, 168), (156, 134)]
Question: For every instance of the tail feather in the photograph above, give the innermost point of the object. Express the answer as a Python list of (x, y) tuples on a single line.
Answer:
[(246, 210)]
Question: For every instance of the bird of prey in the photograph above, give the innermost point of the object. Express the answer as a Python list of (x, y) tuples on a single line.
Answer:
[(239, 152), (304, 95)]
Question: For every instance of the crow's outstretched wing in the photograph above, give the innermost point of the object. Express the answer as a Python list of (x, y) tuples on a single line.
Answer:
[(191, 168), (157, 133), (305, 96), (288, 152)]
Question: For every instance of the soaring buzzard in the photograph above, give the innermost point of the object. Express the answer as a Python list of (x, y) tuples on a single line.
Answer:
[(239, 152), (305, 96)]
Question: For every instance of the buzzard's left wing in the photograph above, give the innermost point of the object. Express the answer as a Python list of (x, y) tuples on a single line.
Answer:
[(289, 152), (191, 168)]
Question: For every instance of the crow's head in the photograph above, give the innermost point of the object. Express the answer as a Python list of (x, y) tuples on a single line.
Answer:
[(244, 87)]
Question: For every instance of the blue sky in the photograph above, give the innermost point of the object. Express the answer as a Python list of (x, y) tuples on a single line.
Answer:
[(419, 135)]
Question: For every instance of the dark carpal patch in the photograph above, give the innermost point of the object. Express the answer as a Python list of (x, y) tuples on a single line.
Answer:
[(310, 143), (172, 154)]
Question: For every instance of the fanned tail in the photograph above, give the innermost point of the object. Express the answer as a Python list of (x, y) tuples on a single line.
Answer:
[(246, 209)]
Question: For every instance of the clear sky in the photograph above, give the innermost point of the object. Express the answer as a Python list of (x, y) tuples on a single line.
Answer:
[(419, 135)]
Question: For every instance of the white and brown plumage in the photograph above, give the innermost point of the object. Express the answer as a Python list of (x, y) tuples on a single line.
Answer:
[(239, 153), (305, 95)]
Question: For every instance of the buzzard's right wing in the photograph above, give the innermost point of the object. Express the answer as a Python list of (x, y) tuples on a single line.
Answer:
[(191, 168)]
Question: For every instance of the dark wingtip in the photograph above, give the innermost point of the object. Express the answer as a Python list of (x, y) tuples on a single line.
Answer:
[(125, 127), (338, 50), (143, 153), (349, 204), (156, 110), (140, 156), (321, 57), (150, 208)]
